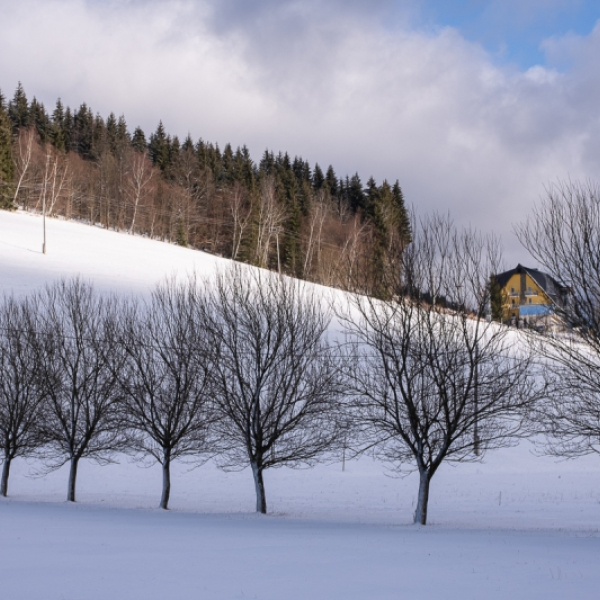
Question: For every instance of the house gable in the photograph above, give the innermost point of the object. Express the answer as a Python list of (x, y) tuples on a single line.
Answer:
[(528, 293)]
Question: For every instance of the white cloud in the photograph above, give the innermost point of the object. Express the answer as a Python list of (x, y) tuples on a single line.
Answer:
[(328, 81)]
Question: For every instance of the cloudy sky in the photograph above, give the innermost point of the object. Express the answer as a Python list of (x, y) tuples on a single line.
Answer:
[(474, 105)]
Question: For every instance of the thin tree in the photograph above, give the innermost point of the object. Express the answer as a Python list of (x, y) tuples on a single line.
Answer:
[(166, 379), (434, 381), (23, 152), (278, 385), (563, 235), (74, 351), (21, 396)]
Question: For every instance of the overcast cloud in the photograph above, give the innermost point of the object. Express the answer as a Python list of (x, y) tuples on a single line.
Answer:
[(366, 87)]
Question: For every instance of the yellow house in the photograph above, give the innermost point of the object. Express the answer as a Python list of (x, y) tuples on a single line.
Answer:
[(529, 295)]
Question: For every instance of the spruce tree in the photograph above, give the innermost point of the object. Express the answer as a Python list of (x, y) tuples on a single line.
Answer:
[(248, 171), (83, 132), (267, 163), (68, 128), (188, 144), (318, 179), (40, 120), (227, 175), (403, 218), (159, 148), (111, 133), (18, 109), (356, 195), (99, 138), (331, 182), (138, 141), (174, 158), (123, 136), (58, 127), (6, 162)]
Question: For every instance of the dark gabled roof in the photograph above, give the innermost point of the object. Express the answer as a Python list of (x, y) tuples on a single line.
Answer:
[(548, 284)]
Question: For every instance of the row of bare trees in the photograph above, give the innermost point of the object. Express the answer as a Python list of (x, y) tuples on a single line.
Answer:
[(239, 368), (240, 371)]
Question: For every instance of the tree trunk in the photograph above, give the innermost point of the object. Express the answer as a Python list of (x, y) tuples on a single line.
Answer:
[(423, 501), (259, 484), (166, 487), (72, 479), (5, 473)]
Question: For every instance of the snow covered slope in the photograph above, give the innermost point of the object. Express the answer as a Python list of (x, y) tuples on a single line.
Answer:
[(111, 260), (515, 525)]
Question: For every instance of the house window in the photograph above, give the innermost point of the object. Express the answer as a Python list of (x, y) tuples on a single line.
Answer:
[(529, 300)]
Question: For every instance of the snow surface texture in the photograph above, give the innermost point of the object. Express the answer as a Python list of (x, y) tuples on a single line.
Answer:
[(516, 525)]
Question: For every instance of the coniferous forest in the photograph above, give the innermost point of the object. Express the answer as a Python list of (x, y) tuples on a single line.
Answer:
[(280, 213)]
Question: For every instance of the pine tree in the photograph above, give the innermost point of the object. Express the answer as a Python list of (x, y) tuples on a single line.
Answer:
[(40, 120), (100, 143), (68, 129), (331, 182), (6, 162), (356, 195), (123, 136), (215, 161), (318, 179), (403, 219), (83, 132), (188, 144), (267, 163), (371, 197), (111, 133), (248, 171), (58, 127), (228, 175), (174, 158), (18, 109), (138, 141), (159, 148)]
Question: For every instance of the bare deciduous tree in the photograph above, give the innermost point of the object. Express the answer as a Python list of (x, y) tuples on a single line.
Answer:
[(315, 233), (21, 397), (24, 149), (166, 379), (278, 385), (434, 381), (241, 212), (271, 216), (563, 235), (73, 350)]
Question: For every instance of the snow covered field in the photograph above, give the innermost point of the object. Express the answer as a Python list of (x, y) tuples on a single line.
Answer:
[(516, 526)]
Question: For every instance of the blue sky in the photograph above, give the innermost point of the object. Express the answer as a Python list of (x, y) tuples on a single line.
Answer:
[(512, 30)]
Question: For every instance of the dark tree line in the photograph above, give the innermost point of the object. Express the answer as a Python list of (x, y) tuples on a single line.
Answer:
[(279, 213)]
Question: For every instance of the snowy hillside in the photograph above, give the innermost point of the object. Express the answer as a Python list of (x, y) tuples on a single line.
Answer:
[(515, 525), (112, 261)]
